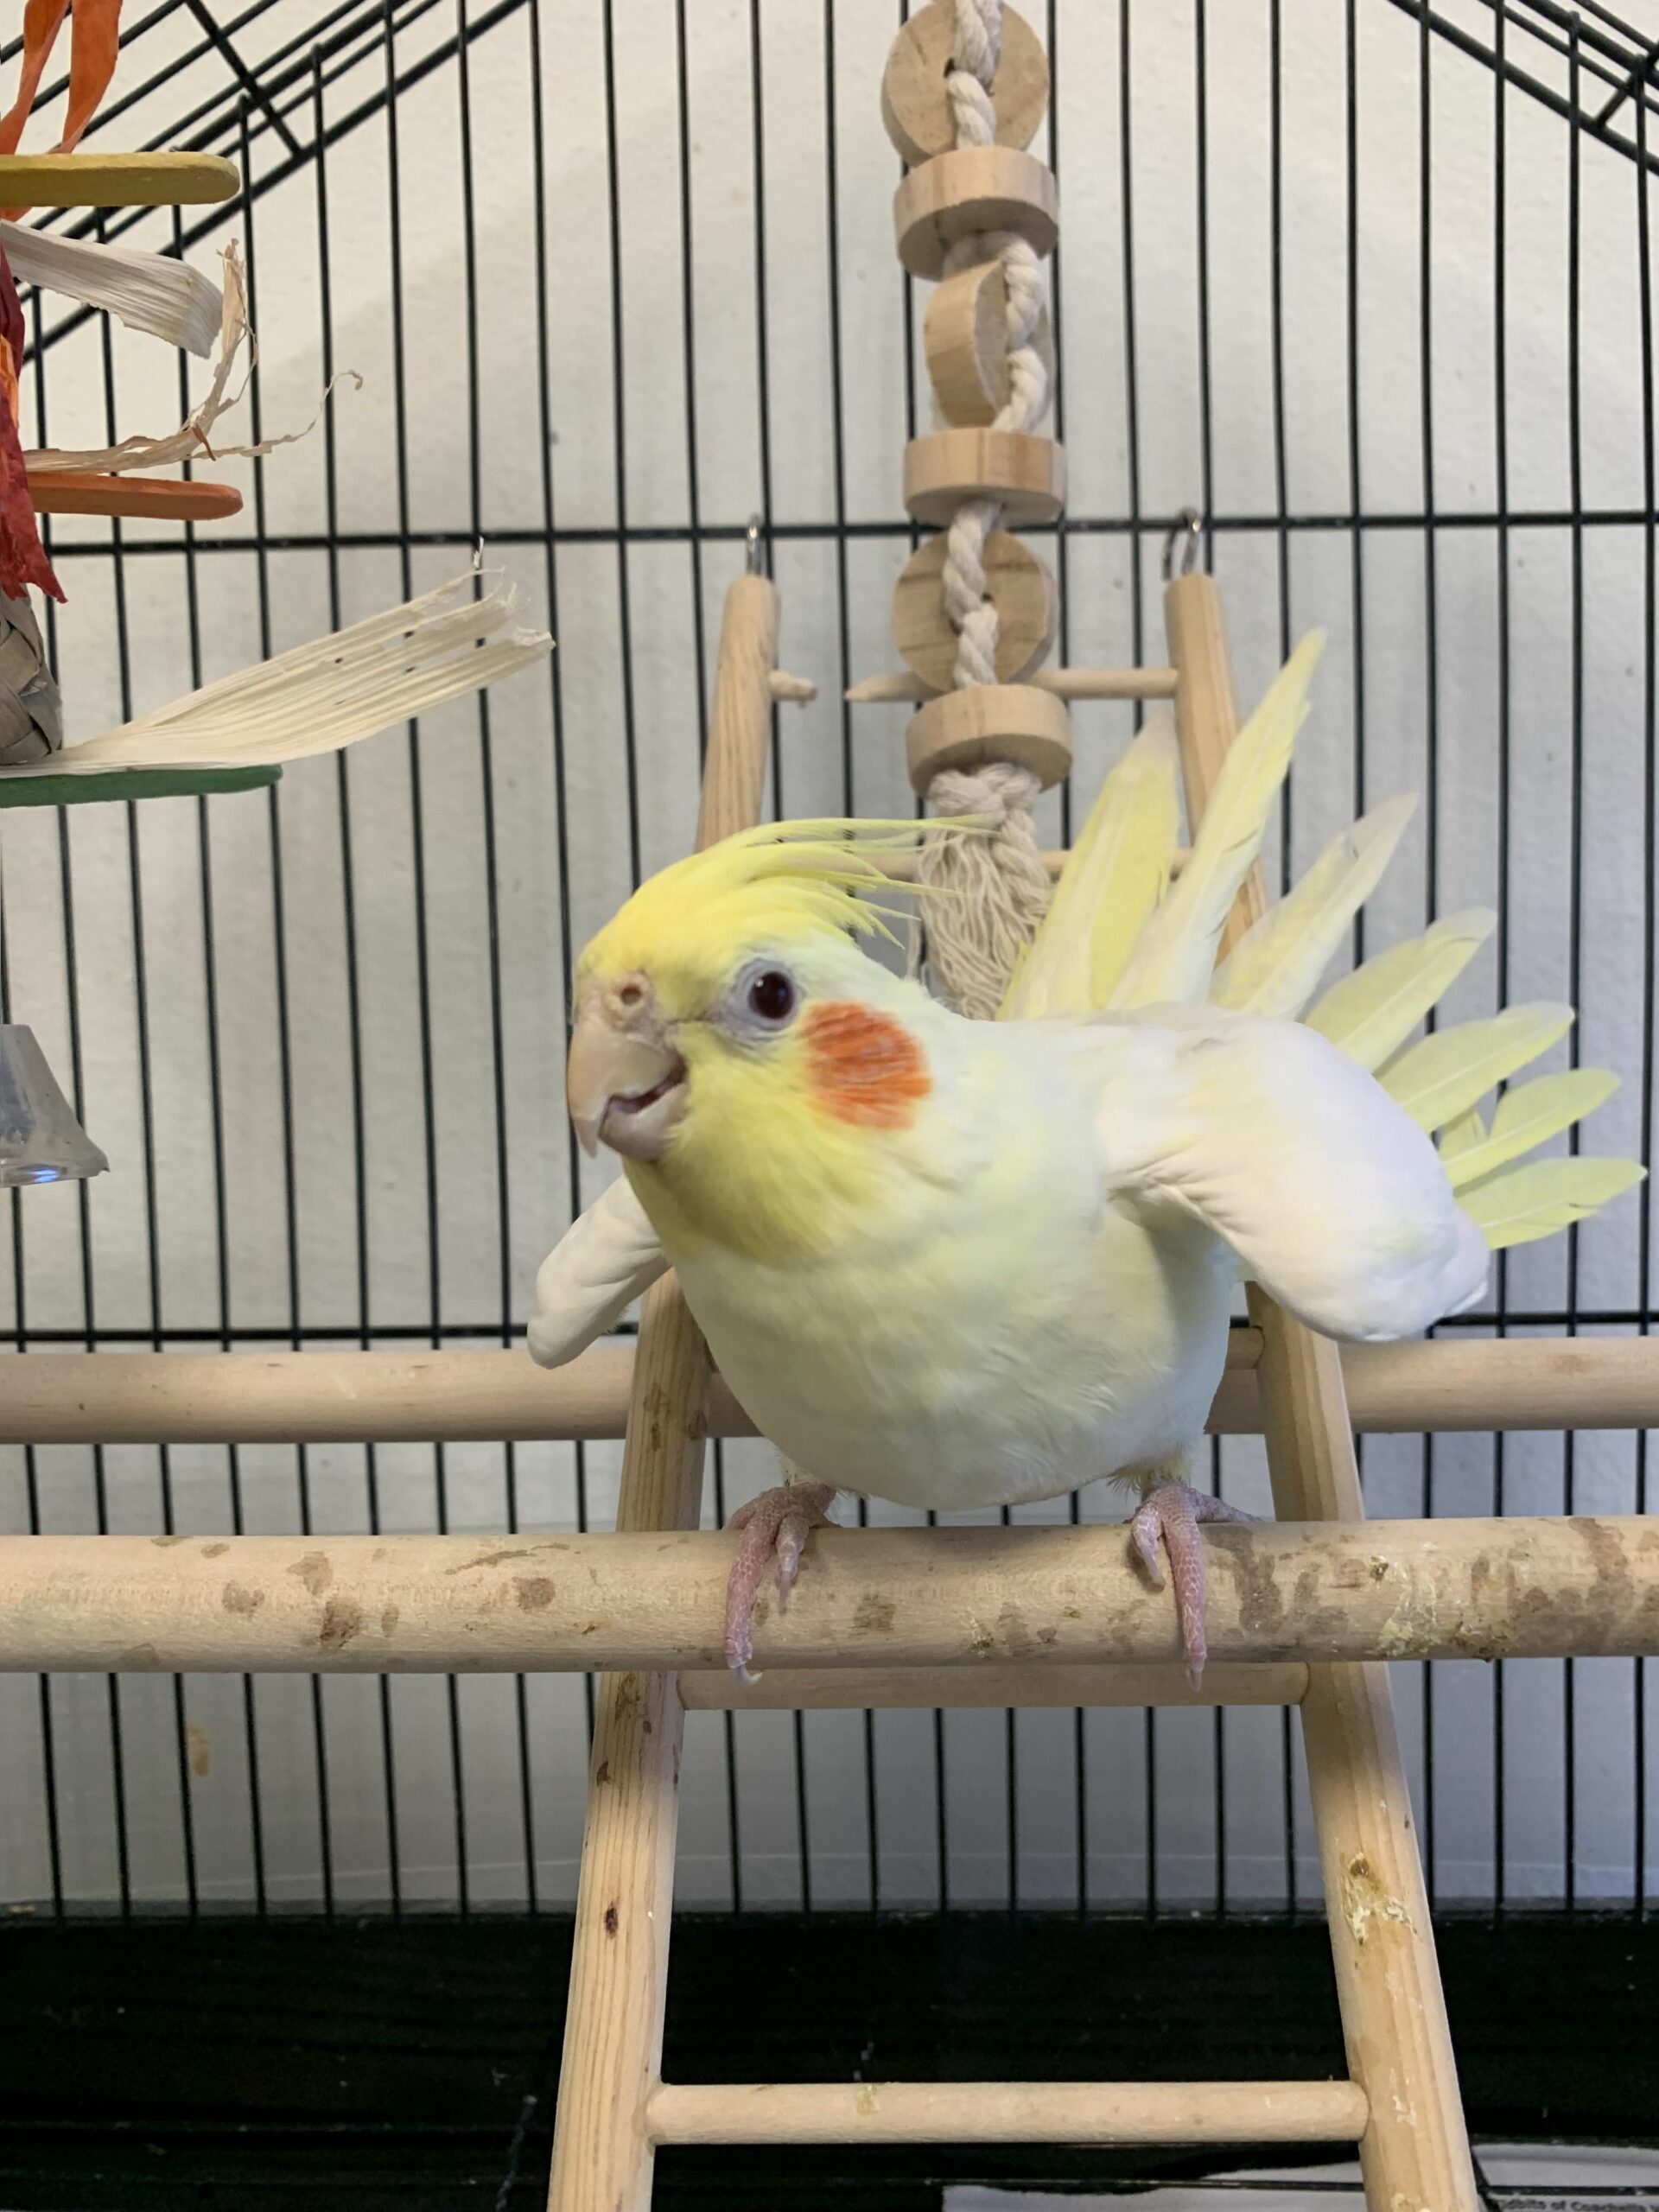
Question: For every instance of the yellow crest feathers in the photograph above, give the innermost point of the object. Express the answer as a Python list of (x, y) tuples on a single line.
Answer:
[(780, 880)]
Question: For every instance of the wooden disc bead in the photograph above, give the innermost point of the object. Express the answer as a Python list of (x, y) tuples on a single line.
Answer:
[(966, 338), (989, 722), (974, 189), (1019, 587), (915, 106), (1023, 472)]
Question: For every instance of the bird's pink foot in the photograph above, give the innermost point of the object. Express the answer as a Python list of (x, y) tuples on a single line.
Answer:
[(1173, 1513), (775, 1525)]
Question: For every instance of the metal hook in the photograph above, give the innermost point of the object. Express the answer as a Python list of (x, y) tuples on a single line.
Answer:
[(754, 556), (1189, 527)]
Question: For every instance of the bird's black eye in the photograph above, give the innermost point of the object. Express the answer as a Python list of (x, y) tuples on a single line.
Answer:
[(771, 995)]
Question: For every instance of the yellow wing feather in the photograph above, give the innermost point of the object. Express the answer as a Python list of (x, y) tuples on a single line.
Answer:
[(1528, 1115), (1115, 875), (1115, 936), (1457, 1137), (1175, 957), (1519, 1205), (1443, 1076)]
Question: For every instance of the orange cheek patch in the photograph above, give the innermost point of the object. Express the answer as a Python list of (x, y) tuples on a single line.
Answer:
[(865, 1067)]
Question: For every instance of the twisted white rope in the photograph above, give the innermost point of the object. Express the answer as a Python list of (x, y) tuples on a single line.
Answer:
[(974, 58), (970, 613), (1000, 885)]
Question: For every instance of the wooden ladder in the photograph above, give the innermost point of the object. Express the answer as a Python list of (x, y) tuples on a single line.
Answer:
[(1399, 2103)]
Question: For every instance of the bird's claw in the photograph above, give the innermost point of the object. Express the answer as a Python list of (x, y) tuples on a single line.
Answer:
[(772, 1526), (1171, 1517)]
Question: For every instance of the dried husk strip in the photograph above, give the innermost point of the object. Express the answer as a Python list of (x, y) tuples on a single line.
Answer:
[(325, 695), (155, 293), (191, 436)]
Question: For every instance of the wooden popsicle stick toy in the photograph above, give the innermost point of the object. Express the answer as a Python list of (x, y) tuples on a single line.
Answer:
[(151, 499), (116, 179)]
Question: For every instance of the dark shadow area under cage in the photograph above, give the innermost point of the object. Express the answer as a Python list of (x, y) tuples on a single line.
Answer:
[(377, 2063)]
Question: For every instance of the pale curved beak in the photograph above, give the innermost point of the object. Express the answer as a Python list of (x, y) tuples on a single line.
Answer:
[(626, 1085)]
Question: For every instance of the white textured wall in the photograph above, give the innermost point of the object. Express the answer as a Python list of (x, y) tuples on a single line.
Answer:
[(141, 891)]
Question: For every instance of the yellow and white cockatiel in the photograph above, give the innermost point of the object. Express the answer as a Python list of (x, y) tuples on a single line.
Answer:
[(957, 1263)]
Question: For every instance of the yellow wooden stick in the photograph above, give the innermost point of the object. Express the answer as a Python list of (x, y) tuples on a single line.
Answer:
[(116, 179)]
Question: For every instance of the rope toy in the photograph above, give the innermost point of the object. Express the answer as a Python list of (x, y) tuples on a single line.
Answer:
[(999, 884)]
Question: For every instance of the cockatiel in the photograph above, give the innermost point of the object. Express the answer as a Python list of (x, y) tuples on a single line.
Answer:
[(958, 1263)]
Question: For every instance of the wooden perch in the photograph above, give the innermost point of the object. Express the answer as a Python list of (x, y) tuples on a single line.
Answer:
[(322, 1397), (650, 1600)]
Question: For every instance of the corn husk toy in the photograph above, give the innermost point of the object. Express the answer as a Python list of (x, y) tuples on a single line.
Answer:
[(321, 695)]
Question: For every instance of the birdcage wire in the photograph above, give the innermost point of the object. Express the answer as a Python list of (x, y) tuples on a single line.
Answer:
[(289, 93)]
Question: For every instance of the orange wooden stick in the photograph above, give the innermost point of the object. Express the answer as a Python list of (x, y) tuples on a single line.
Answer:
[(155, 499)]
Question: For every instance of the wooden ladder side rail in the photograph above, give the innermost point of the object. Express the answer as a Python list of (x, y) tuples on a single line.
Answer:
[(1414, 2150), (604, 2144)]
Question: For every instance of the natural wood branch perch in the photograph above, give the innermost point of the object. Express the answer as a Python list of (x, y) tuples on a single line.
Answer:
[(1062, 1596), (318, 1397)]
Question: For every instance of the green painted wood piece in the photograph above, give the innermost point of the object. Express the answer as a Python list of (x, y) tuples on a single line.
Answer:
[(132, 783)]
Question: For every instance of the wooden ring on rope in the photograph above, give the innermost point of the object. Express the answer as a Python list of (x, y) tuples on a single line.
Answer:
[(989, 722), (915, 105), (1023, 473), (974, 189), (1018, 585), (965, 335)]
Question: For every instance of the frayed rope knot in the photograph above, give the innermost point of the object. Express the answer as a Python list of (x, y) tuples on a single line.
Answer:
[(999, 884)]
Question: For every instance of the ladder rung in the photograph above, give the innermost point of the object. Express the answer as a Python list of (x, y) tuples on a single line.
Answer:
[(1008, 2112), (992, 1687), (902, 684)]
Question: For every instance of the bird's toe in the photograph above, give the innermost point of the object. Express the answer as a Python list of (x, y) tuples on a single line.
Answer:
[(772, 1528)]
